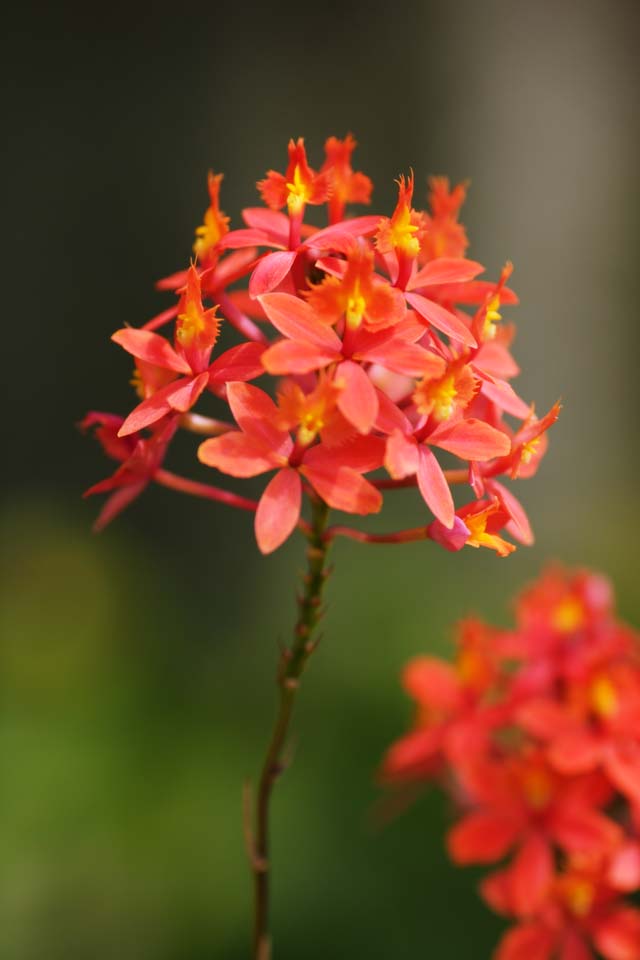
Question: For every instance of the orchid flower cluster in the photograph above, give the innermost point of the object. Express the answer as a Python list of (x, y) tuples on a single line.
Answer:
[(535, 734), (387, 353)]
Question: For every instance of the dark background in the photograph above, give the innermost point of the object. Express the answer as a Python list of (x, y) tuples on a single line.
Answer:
[(135, 667)]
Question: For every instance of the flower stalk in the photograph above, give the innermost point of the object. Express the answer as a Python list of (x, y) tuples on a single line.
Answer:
[(292, 663)]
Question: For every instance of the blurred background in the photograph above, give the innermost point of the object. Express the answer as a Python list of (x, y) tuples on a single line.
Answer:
[(135, 667)]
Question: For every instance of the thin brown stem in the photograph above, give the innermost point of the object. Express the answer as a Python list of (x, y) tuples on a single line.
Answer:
[(292, 664)]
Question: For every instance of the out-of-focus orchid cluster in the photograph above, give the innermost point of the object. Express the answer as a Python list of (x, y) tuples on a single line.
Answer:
[(378, 349), (535, 734)]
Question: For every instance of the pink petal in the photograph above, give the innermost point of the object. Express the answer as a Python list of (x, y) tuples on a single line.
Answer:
[(494, 358), (441, 319), (402, 457), (624, 868), (390, 417), (247, 238), (278, 510), (471, 440), (518, 526), (270, 222), (503, 395), (271, 271), (434, 487), (150, 347), (295, 319), (445, 270), (358, 400), (453, 539), (334, 237), (237, 454)]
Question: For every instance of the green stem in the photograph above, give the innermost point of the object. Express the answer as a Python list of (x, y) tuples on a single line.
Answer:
[(292, 664)]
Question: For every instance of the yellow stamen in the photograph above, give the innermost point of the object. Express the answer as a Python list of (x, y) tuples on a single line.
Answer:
[(402, 233), (579, 895), (529, 450), (492, 317), (298, 192), (190, 325)]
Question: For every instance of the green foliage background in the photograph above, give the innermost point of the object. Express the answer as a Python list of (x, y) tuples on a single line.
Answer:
[(135, 668)]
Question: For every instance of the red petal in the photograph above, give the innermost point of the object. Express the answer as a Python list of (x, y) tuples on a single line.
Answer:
[(441, 319), (471, 440), (344, 489), (278, 510), (358, 399), (270, 272), (581, 830), (360, 453), (117, 502), (445, 270), (617, 936), (295, 319), (292, 356), (256, 413), (410, 359), (432, 682), (413, 755), (481, 837), (622, 764), (531, 874), (153, 408), (185, 394), (243, 362), (150, 347), (237, 454), (576, 752), (434, 487), (529, 941)]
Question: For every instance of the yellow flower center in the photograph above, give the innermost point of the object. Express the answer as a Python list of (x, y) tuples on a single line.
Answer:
[(603, 697), (568, 615), (579, 897), (537, 788)]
